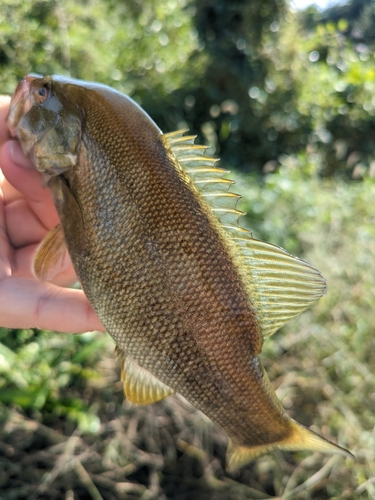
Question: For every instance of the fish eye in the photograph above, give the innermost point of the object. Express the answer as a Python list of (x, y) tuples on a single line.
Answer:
[(42, 94)]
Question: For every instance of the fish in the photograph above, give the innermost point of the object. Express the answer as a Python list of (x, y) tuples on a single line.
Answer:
[(153, 232)]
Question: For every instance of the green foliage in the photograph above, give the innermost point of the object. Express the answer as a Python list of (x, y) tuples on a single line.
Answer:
[(37, 368), (129, 45), (317, 98), (359, 16), (336, 82)]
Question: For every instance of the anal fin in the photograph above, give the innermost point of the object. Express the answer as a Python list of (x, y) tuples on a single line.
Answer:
[(140, 386)]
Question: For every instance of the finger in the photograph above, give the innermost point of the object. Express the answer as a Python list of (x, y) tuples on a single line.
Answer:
[(18, 156), (27, 182), (5, 264), (5, 249), (23, 226), (17, 168), (26, 303), (4, 108), (22, 267)]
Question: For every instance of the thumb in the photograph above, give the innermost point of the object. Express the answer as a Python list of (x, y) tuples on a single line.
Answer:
[(26, 303)]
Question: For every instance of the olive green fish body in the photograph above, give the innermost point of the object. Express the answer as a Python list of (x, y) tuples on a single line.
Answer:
[(166, 279)]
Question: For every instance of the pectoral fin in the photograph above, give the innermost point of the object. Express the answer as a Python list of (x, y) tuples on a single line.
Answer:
[(52, 256), (301, 438), (140, 386)]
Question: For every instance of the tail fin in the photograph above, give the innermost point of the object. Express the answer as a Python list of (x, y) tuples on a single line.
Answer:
[(301, 438)]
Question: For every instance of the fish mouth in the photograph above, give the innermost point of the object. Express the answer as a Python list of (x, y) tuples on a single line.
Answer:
[(20, 103)]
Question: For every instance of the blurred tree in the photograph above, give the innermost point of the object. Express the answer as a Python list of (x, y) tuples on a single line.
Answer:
[(245, 75), (360, 15), (336, 90), (220, 103)]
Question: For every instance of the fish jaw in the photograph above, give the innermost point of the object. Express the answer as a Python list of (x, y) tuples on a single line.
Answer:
[(40, 122), (20, 105)]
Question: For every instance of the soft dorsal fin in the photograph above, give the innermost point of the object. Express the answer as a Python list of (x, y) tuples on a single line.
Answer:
[(279, 285), (52, 256), (140, 386)]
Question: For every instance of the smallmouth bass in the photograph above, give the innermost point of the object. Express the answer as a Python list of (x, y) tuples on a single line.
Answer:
[(152, 230)]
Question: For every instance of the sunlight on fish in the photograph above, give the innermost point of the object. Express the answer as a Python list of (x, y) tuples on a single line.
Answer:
[(152, 229)]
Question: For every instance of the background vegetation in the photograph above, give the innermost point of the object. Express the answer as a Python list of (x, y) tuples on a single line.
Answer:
[(288, 100)]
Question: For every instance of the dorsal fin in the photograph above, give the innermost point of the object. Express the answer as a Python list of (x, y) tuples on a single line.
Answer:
[(140, 386), (279, 285), (205, 175)]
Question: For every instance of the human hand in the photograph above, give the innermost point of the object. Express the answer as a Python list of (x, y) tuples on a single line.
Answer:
[(27, 213)]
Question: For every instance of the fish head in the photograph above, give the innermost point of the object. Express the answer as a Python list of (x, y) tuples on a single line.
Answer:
[(47, 124)]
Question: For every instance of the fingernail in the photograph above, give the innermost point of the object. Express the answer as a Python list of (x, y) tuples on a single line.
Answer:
[(18, 156)]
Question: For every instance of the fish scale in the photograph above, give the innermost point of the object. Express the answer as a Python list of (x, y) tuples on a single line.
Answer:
[(153, 232)]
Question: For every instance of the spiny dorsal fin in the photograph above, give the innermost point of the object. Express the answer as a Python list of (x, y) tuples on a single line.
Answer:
[(140, 386), (279, 285), (205, 175), (52, 256)]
